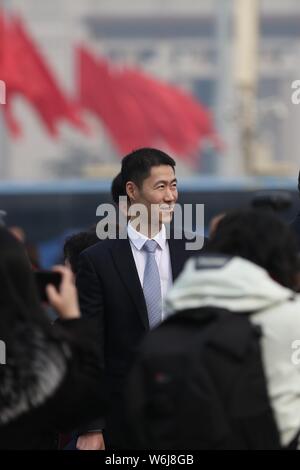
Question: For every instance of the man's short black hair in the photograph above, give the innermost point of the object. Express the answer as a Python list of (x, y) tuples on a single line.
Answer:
[(137, 165)]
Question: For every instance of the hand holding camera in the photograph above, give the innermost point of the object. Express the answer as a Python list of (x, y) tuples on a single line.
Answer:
[(58, 289)]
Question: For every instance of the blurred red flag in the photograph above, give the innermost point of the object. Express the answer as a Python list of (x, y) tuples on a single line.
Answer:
[(8, 74), (101, 91), (170, 121), (26, 73), (177, 117), (139, 110)]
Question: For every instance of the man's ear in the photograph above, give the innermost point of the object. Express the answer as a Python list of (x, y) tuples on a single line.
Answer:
[(131, 190)]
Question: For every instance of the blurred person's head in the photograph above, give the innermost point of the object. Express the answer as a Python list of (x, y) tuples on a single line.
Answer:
[(18, 233), (149, 179), (75, 244), (117, 188), (214, 223), (260, 237), (33, 255), (19, 301), (36, 353), (31, 249)]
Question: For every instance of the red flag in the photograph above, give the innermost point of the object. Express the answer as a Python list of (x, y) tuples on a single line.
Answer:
[(177, 117), (25, 72), (161, 109), (8, 75), (102, 92), (12, 123), (139, 110)]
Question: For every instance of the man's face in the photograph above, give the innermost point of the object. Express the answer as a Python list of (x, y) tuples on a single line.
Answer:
[(159, 192)]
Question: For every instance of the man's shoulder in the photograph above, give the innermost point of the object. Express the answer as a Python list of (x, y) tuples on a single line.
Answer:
[(101, 247)]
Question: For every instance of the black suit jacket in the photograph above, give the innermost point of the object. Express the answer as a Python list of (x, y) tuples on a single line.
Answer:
[(109, 290)]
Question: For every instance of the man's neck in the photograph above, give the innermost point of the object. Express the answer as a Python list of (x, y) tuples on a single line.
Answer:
[(149, 231)]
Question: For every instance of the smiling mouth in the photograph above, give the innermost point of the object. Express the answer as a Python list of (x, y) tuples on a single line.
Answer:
[(166, 208)]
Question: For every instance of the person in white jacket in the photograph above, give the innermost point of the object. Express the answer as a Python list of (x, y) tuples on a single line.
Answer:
[(259, 275)]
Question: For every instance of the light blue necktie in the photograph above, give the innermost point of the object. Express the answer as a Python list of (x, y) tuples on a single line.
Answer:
[(151, 285)]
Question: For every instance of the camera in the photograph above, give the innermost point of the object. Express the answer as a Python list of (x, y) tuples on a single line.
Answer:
[(43, 278)]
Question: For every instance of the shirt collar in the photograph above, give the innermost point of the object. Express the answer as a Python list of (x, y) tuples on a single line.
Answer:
[(138, 239)]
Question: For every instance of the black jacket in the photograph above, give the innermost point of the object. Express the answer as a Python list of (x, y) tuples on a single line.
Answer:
[(77, 398), (199, 383), (109, 290)]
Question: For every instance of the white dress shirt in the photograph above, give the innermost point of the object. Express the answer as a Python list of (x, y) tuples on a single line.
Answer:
[(162, 256)]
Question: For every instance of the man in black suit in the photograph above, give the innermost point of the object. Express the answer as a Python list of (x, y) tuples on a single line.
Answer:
[(119, 283)]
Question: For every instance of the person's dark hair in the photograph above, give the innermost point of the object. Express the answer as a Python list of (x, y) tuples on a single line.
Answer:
[(20, 306), (33, 255), (75, 244), (260, 237), (117, 188), (137, 165), (276, 201)]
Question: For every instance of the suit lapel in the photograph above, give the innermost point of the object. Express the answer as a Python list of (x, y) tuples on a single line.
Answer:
[(125, 265)]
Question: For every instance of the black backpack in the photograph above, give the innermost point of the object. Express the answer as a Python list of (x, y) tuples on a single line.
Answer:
[(198, 383)]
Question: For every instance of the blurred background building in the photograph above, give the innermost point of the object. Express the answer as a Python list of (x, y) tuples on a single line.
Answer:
[(193, 45), (213, 78)]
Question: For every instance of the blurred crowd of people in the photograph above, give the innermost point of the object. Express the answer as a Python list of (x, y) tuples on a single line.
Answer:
[(80, 379)]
